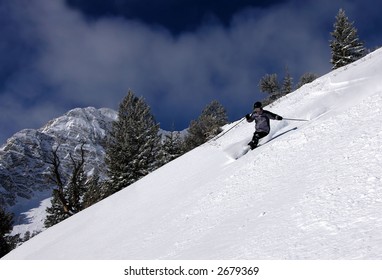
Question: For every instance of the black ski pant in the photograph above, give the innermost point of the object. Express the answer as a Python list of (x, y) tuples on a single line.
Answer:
[(256, 137)]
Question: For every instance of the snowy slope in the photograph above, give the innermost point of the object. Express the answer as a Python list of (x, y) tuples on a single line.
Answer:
[(314, 191)]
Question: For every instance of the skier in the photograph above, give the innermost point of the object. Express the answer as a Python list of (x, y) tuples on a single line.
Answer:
[(261, 118)]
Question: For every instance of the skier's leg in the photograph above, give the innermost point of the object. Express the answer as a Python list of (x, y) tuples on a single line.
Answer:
[(255, 139), (254, 142)]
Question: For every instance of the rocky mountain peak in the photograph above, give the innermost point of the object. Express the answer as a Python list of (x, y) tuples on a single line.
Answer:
[(23, 159)]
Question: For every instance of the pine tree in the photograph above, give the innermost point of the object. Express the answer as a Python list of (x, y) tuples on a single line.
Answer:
[(208, 125), (195, 136), (6, 226), (213, 117), (93, 192), (287, 86), (172, 146), (133, 145), (346, 46), (269, 84), (306, 78), (56, 212)]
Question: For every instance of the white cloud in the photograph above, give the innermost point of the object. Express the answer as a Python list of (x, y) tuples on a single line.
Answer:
[(94, 63)]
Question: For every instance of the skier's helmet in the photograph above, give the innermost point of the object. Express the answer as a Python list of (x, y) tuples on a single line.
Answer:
[(257, 105)]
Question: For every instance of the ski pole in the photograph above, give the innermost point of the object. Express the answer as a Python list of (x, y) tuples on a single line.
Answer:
[(221, 134), (299, 120)]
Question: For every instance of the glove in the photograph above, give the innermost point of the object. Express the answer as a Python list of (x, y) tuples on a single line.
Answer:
[(248, 116), (279, 118)]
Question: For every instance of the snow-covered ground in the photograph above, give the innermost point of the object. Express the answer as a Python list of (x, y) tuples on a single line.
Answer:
[(312, 191), (33, 220)]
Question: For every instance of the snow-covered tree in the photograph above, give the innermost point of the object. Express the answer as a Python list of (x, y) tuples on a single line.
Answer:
[(287, 85), (172, 146), (269, 84), (306, 78), (208, 124), (346, 46), (94, 189), (133, 145), (56, 213)]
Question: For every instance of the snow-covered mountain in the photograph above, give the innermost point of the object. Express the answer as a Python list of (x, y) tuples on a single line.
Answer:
[(24, 187), (313, 190)]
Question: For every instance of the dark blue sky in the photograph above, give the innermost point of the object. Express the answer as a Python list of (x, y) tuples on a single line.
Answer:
[(178, 54), (176, 15)]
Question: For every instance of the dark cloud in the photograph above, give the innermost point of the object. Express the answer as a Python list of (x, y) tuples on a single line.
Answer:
[(175, 15), (55, 58)]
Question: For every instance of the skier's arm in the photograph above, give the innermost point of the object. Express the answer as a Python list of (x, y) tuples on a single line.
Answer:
[(274, 116)]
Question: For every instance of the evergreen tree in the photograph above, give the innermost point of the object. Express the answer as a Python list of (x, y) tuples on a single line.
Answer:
[(346, 46), (28, 235), (172, 146), (208, 125), (56, 213), (306, 78), (287, 86), (93, 192), (269, 84), (6, 226), (213, 117), (195, 136), (133, 145)]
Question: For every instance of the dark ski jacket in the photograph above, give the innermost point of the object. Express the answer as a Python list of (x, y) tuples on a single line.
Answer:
[(262, 120)]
